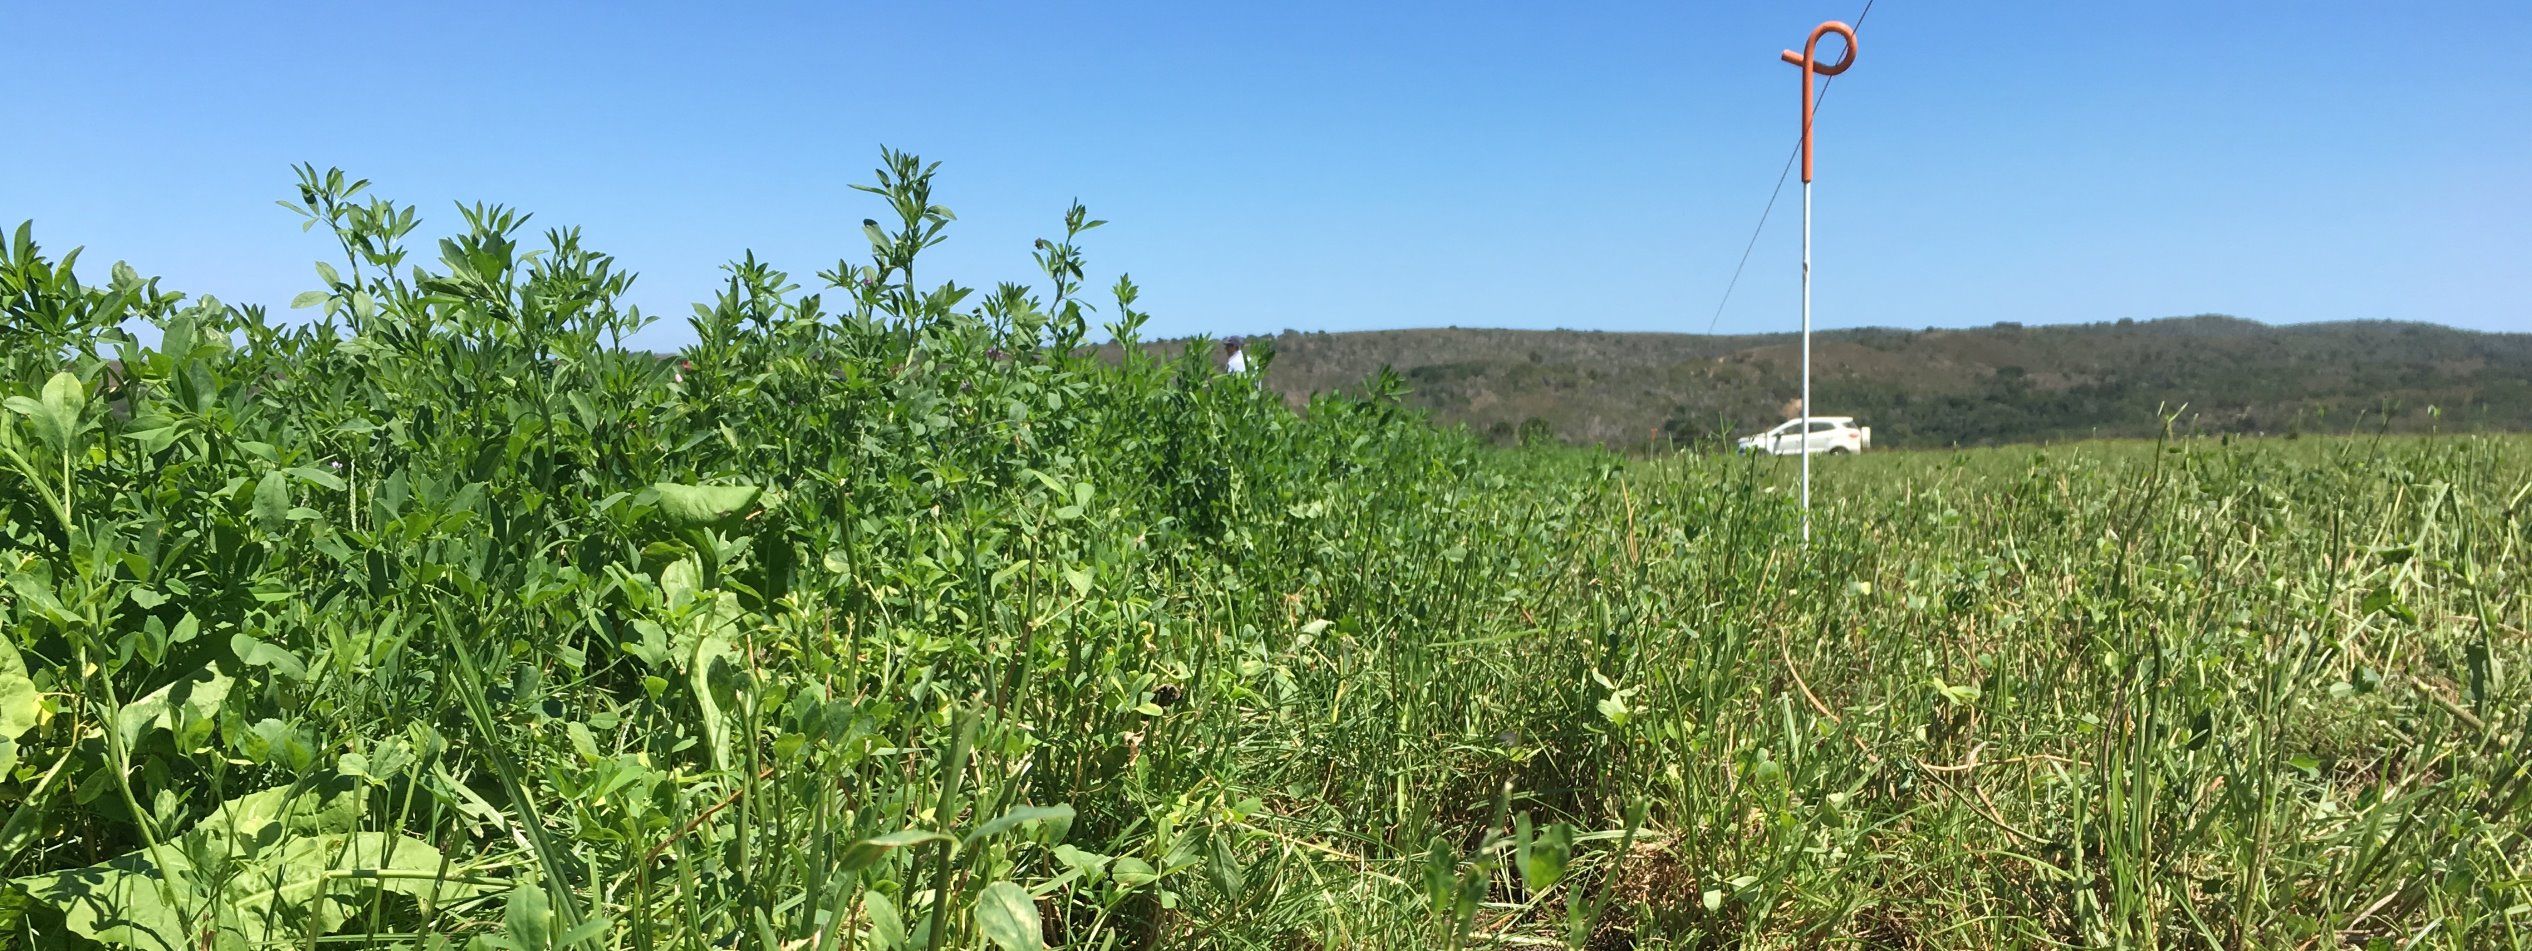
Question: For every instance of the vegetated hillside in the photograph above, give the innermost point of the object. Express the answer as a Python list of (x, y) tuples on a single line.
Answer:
[(2005, 383)]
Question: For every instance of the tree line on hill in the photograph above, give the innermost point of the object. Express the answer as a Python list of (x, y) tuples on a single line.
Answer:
[(2004, 383)]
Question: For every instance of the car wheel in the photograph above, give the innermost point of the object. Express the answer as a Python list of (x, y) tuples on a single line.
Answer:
[(1838, 450)]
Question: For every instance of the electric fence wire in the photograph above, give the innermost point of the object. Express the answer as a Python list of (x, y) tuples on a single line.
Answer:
[(1822, 99)]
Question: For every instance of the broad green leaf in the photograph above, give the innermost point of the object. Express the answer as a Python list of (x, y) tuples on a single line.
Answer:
[(1002, 576), (887, 930), (867, 852), (20, 704), (1130, 871), (319, 871), (65, 399), (298, 810), (128, 902), (528, 920), (255, 653), (55, 417), (1007, 916), (154, 439), (272, 500), (1079, 859), (317, 476), (267, 868), (1613, 708), (680, 580), (583, 742), (1222, 865), (195, 698), (288, 745), (1956, 693), (1543, 858), (34, 588), (1021, 815), (712, 674), (688, 506)]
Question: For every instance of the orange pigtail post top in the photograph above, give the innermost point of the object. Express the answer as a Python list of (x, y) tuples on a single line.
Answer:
[(1809, 60)]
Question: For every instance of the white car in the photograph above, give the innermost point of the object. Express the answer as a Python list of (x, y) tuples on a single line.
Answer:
[(1830, 434)]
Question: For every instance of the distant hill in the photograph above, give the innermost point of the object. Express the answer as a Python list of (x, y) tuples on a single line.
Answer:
[(2004, 383)]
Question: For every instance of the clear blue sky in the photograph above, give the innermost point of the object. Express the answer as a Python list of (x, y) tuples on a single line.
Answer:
[(1346, 165)]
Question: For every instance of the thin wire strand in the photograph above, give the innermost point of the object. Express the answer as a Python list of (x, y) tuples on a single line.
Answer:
[(1817, 101)]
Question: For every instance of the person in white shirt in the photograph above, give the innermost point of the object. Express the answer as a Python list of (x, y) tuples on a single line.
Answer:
[(1238, 363)]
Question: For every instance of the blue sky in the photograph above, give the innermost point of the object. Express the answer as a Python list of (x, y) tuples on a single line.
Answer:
[(1344, 166)]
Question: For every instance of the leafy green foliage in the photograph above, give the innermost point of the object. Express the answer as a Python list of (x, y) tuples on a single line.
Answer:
[(693, 506), (1007, 917), (264, 869), (902, 616)]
